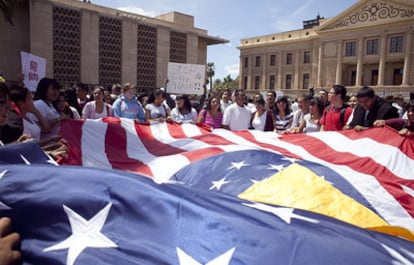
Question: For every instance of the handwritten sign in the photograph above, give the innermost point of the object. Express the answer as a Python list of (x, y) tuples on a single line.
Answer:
[(33, 68), (186, 78)]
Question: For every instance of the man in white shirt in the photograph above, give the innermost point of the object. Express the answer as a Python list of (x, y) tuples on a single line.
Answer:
[(237, 116), (303, 109)]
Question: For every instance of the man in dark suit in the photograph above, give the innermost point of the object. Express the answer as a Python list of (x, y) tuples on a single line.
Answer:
[(369, 109)]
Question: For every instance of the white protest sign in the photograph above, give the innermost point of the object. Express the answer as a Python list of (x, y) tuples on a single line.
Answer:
[(33, 68), (186, 78)]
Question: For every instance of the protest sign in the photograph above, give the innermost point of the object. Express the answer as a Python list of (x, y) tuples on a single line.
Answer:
[(33, 68), (186, 78)]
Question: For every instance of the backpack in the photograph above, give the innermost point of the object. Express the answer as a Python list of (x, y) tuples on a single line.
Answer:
[(341, 115)]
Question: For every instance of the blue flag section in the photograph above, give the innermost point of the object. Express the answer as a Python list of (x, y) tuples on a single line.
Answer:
[(235, 172), (74, 215), (24, 153)]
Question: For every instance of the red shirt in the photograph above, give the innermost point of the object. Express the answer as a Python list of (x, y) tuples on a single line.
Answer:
[(331, 118)]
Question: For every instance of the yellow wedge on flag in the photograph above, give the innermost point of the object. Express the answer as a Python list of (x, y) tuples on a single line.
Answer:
[(299, 187)]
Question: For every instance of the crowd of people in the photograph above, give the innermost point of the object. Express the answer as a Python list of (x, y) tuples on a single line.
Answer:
[(329, 110), (25, 116), (38, 116)]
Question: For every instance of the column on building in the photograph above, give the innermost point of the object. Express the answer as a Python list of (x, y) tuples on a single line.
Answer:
[(241, 71), (163, 54), (383, 53), (314, 73), (279, 69), (249, 75), (129, 50), (41, 32), (338, 77), (320, 58), (89, 67), (192, 48), (359, 62), (264, 71), (407, 59), (296, 78)]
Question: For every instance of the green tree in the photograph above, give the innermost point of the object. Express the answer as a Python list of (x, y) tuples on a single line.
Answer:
[(217, 83), (228, 79), (7, 8), (227, 82), (210, 74)]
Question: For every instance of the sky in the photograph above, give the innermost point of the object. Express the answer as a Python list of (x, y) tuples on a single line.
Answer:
[(236, 19)]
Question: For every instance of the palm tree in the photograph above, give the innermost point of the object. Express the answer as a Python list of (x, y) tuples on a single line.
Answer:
[(7, 7), (228, 79), (210, 74)]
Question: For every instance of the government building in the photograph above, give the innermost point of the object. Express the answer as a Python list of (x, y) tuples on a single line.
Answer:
[(368, 44), (97, 45)]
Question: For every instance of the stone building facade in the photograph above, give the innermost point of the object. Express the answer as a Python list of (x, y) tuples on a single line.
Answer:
[(98, 45), (369, 44)]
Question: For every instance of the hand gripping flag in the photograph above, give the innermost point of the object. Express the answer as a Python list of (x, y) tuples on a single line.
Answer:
[(362, 178), (78, 215)]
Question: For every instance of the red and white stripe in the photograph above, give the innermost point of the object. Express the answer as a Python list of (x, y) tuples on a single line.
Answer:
[(378, 163)]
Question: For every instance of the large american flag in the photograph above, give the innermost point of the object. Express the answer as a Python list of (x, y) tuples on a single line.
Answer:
[(199, 197), (375, 167)]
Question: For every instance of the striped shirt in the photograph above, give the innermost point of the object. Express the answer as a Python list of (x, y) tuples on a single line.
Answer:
[(283, 124)]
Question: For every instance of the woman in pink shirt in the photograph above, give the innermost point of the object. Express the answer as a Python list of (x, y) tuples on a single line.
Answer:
[(211, 114), (98, 108)]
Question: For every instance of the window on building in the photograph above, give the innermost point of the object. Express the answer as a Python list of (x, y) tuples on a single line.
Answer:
[(305, 81), (258, 59), (257, 82), (353, 78), (307, 57), (289, 58), (398, 76), (350, 48), (372, 46), (374, 77), (246, 62), (272, 82), (396, 44), (245, 83), (272, 59), (288, 82)]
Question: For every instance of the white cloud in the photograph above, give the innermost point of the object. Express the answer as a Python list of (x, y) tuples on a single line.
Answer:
[(286, 21), (137, 10), (232, 70)]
